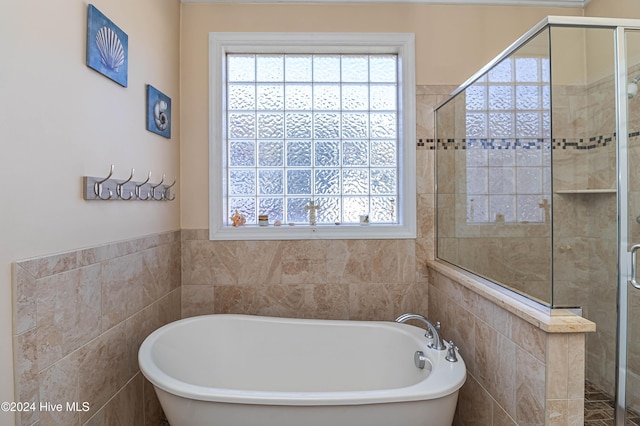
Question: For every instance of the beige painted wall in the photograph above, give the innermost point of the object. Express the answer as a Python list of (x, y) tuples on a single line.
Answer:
[(617, 9), (61, 120), (613, 8), (452, 42)]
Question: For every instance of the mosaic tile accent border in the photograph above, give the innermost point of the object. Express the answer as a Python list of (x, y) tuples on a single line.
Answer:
[(591, 143), (492, 143), (507, 143)]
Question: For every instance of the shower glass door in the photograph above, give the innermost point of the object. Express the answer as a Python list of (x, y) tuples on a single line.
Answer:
[(629, 381)]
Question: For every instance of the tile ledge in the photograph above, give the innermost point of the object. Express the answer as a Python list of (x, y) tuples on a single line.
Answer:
[(539, 316)]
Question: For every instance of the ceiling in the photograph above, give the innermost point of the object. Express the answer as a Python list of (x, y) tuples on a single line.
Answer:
[(540, 3)]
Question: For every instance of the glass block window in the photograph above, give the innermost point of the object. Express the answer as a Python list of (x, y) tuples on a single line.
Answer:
[(312, 127), (508, 147)]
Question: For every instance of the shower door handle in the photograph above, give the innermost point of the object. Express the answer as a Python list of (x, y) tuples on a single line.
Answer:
[(634, 256)]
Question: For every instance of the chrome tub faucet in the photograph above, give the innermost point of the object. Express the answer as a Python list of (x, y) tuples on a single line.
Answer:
[(432, 330)]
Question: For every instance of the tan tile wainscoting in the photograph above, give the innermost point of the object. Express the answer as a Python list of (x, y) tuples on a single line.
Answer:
[(371, 280), (525, 367), (79, 319)]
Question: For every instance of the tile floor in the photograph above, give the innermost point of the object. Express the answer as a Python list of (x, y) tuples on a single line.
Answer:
[(598, 408)]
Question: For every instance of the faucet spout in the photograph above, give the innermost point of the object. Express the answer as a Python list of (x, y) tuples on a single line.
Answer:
[(432, 330)]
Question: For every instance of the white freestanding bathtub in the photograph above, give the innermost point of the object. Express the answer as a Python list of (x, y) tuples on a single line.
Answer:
[(241, 370)]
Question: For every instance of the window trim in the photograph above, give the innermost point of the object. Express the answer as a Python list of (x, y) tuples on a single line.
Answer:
[(402, 44)]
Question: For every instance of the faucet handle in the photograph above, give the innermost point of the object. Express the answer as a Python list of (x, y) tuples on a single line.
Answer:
[(451, 352), (429, 334)]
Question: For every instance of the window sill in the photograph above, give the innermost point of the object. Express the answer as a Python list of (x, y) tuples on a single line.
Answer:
[(320, 232)]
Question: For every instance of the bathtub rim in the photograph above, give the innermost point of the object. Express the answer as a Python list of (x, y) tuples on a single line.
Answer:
[(450, 376)]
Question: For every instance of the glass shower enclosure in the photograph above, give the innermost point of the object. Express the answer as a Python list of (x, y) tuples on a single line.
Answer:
[(538, 183)]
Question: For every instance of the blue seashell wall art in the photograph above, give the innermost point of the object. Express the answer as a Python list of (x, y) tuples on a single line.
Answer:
[(107, 47), (158, 112)]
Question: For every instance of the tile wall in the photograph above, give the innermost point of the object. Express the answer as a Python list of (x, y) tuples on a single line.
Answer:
[(584, 243), (79, 319), (333, 279), (585, 223), (531, 377), (586, 249), (522, 369)]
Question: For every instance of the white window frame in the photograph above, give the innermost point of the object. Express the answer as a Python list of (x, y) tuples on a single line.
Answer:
[(402, 44)]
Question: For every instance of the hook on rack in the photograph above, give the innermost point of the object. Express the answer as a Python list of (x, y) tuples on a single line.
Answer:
[(138, 188), (121, 184), (97, 186), (153, 190), (167, 190)]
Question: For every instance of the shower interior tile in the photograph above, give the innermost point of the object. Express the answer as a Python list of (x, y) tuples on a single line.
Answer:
[(599, 408)]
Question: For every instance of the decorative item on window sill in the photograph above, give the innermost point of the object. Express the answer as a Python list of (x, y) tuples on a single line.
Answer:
[(107, 188), (311, 208), (238, 219)]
